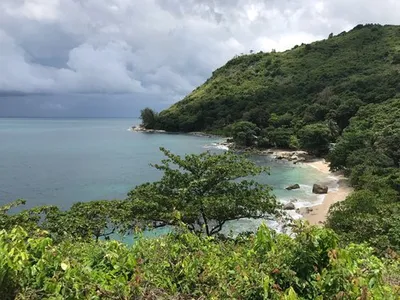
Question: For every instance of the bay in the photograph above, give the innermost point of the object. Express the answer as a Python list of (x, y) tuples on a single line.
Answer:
[(62, 161)]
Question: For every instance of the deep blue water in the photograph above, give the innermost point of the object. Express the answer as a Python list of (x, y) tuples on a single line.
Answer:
[(62, 161)]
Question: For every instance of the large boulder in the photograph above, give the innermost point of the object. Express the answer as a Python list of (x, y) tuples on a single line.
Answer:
[(293, 187), (289, 206), (319, 189)]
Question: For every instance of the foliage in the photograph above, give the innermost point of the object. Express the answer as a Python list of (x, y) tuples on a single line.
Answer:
[(188, 266), (294, 142), (368, 216), (149, 118), (244, 133), (368, 151), (280, 137), (326, 80), (315, 138), (203, 191), (87, 220), (84, 220), (29, 218), (374, 133)]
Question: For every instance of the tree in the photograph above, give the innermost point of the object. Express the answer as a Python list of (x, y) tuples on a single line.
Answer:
[(368, 216), (258, 116), (86, 220), (315, 138), (149, 118), (202, 191), (245, 133), (28, 218), (276, 137), (294, 142)]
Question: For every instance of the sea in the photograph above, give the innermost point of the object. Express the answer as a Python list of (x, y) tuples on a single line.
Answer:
[(63, 161)]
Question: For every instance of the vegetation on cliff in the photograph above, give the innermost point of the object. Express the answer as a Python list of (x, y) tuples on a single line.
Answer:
[(282, 94), (369, 153)]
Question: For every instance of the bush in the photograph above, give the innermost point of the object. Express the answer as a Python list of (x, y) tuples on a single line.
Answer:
[(315, 138), (187, 266), (245, 133), (149, 118)]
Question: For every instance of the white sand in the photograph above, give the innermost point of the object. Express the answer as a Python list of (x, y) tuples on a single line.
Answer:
[(317, 214)]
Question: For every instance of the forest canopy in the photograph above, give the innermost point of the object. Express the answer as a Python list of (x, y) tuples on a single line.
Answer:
[(284, 93)]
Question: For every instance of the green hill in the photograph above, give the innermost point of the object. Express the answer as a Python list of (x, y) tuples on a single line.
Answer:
[(326, 81)]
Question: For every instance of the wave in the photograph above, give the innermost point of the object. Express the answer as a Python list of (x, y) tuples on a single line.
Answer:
[(216, 146)]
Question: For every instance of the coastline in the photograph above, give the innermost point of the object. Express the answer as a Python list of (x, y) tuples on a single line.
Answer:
[(316, 215)]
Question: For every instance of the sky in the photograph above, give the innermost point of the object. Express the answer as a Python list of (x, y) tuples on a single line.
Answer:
[(110, 58)]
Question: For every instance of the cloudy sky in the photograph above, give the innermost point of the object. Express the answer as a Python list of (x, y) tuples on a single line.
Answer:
[(112, 57)]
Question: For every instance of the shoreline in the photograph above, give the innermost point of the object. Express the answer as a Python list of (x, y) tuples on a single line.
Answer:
[(317, 214), (314, 214)]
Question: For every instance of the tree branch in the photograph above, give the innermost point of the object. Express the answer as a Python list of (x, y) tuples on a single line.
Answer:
[(217, 228)]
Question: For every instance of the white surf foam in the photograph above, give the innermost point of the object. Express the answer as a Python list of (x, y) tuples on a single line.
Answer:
[(216, 146)]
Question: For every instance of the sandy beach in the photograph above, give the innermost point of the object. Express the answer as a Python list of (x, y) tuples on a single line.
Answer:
[(316, 215)]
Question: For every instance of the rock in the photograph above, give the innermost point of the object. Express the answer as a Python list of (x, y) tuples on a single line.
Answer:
[(319, 189), (293, 187), (140, 128), (289, 206)]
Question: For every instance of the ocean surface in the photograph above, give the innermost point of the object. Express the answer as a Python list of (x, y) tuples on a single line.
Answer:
[(62, 161)]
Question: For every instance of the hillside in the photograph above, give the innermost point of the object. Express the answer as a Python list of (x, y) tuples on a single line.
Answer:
[(324, 81)]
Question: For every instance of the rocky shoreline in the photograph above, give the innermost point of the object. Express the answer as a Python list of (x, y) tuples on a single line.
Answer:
[(314, 214), (295, 156), (140, 128)]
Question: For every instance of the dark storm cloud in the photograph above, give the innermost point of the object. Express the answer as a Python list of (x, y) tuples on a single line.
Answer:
[(155, 49)]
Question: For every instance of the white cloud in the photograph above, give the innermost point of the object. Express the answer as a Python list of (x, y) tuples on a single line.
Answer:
[(158, 47)]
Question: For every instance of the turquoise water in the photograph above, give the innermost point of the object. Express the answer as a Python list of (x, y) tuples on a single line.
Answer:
[(62, 161)]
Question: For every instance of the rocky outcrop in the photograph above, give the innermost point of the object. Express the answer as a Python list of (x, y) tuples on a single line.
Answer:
[(140, 128), (289, 206), (294, 156), (202, 134), (293, 187), (319, 189)]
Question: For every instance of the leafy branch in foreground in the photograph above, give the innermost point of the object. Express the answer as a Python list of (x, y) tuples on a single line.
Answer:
[(203, 191), (188, 266)]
